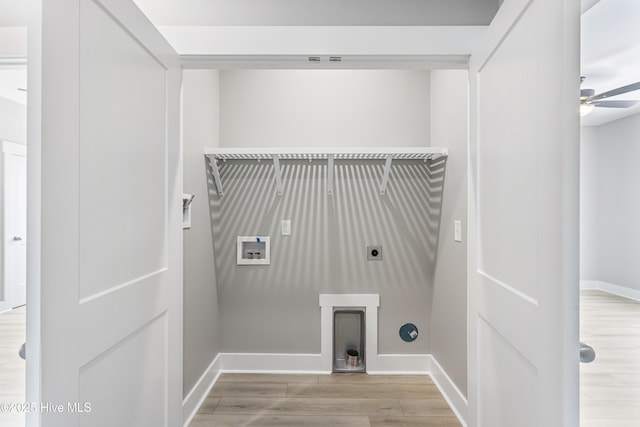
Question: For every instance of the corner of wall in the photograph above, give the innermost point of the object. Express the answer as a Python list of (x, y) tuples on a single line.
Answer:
[(197, 395), (449, 105), (202, 338)]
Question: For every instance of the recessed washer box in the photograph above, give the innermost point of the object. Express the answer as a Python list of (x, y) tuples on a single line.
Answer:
[(253, 250)]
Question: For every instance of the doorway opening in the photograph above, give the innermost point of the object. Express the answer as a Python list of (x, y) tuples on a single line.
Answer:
[(13, 219)]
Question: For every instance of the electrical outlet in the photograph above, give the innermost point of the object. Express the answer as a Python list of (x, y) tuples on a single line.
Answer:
[(457, 231), (374, 253), (286, 227)]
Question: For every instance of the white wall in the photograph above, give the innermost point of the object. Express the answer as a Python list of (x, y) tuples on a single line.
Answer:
[(13, 127), (449, 106), (201, 320), (327, 251), (316, 108), (13, 121), (610, 203)]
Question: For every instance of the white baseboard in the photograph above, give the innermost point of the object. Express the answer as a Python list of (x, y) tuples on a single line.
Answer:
[(272, 363), (199, 392), (456, 400), (400, 364), (610, 288)]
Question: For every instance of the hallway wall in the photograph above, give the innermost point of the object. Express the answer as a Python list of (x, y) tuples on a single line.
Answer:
[(610, 203), (13, 121)]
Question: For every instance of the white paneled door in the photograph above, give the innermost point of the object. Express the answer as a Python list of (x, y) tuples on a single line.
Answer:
[(523, 237), (107, 250)]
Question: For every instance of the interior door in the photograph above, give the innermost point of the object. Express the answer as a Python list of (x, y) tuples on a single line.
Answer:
[(15, 222), (523, 247), (105, 242)]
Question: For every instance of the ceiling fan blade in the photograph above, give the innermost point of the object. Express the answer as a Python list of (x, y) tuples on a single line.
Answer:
[(615, 104), (619, 91)]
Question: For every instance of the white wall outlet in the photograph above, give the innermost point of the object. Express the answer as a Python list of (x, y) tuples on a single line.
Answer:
[(286, 227), (457, 231)]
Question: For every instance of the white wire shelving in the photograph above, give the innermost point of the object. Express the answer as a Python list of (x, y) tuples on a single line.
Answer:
[(331, 155)]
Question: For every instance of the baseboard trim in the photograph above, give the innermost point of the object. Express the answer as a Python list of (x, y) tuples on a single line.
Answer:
[(456, 400), (192, 402), (610, 288), (400, 364), (383, 364), (272, 363)]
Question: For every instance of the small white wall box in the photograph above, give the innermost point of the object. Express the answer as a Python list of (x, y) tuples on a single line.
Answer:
[(254, 250), (186, 210)]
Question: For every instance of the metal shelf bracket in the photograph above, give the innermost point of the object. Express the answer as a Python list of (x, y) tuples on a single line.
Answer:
[(216, 174), (385, 174), (330, 175), (276, 171)]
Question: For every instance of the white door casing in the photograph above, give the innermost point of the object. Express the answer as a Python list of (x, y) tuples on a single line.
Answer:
[(14, 210), (105, 249), (523, 218)]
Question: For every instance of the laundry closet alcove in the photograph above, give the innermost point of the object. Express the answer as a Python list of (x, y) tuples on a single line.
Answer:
[(338, 201)]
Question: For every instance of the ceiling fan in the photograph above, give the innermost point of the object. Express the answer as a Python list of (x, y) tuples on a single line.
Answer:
[(589, 100)]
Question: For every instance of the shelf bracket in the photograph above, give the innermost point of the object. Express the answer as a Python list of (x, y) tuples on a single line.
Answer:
[(276, 170), (216, 174), (385, 174), (330, 174)]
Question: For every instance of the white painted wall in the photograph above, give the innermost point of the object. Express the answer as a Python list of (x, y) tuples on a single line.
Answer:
[(316, 108), (449, 106), (610, 203), (363, 108), (13, 42), (13, 127), (13, 121), (201, 320)]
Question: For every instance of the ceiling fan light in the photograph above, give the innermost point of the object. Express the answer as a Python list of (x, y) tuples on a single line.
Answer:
[(586, 108)]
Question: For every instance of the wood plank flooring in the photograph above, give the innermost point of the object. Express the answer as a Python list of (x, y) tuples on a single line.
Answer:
[(610, 385), (324, 400), (12, 367)]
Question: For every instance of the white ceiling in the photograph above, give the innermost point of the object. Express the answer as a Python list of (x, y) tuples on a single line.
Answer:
[(610, 50), (318, 13), (13, 13)]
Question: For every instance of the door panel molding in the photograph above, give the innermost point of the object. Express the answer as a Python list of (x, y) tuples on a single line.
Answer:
[(523, 216), (107, 262)]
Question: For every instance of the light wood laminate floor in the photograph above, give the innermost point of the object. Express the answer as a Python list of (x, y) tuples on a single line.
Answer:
[(12, 367), (609, 392), (610, 385), (324, 400)]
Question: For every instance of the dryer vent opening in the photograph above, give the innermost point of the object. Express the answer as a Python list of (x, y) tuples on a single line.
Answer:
[(348, 340)]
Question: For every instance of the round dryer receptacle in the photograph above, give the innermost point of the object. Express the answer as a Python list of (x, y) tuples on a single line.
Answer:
[(408, 332)]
